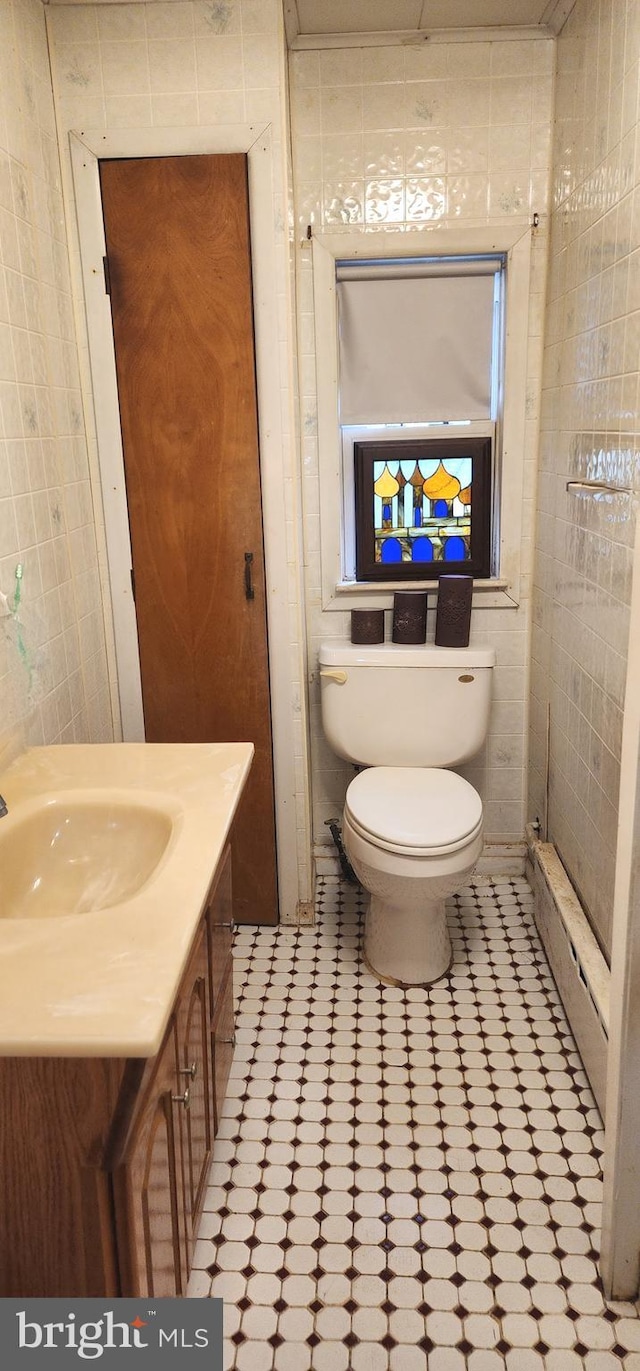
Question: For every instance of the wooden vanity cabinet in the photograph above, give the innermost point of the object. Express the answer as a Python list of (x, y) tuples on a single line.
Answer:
[(103, 1163)]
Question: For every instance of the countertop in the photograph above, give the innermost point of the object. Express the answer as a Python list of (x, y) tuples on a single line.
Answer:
[(103, 983)]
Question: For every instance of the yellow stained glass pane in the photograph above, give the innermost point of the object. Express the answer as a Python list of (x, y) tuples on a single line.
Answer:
[(386, 485), (441, 486)]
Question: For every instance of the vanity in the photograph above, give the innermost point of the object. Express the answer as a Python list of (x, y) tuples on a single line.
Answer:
[(116, 1010)]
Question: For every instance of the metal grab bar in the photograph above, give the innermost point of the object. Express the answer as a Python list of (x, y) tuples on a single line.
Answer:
[(599, 485)]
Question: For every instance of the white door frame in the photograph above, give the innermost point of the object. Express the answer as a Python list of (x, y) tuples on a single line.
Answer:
[(87, 147)]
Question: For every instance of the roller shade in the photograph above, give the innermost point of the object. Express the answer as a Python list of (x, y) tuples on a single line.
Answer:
[(415, 346)]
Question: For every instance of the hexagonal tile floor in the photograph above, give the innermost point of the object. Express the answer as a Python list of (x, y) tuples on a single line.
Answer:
[(408, 1180)]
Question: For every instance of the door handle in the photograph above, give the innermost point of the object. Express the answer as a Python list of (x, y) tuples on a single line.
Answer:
[(248, 584)]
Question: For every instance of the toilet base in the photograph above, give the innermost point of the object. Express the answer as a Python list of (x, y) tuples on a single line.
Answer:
[(406, 940), (404, 985), (407, 946)]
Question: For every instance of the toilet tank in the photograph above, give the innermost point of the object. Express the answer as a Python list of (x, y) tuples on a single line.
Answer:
[(405, 706)]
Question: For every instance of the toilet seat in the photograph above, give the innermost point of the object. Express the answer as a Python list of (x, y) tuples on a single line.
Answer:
[(414, 811)]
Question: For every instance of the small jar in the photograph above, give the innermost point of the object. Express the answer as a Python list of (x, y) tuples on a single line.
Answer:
[(453, 613), (367, 626), (410, 616)]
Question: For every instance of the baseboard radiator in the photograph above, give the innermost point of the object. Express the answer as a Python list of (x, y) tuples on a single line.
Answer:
[(579, 968)]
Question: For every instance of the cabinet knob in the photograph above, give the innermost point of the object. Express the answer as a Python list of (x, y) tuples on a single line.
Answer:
[(230, 925), (184, 1100), (191, 1071), (230, 1042)]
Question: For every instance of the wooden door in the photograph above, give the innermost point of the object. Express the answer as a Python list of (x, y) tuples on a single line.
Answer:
[(178, 250)]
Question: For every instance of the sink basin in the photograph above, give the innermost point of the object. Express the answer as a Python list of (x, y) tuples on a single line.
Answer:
[(128, 837), (78, 853)]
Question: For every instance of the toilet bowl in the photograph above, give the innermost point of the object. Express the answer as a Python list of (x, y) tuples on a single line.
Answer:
[(412, 827), (413, 837)]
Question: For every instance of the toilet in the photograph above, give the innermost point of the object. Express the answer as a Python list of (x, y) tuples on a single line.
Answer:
[(412, 829)]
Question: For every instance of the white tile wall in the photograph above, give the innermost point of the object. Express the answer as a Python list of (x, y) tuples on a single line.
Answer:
[(53, 678), (401, 137), (589, 430), (192, 63)]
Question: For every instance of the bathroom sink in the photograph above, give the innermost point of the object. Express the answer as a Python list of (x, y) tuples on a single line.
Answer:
[(107, 855), (77, 853)]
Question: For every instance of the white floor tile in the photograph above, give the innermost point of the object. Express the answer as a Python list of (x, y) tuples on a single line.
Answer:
[(408, 1179)]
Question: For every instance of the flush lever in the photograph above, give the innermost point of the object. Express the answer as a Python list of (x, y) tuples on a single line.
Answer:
[(333, 674)]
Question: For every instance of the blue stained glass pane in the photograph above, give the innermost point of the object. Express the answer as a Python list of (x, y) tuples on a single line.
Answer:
[(417, 518), (386, 511), (441, 509), (422, 550), (455, 550), (391, 550)]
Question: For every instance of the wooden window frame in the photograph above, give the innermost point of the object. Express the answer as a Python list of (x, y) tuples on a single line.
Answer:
[(366, 453)]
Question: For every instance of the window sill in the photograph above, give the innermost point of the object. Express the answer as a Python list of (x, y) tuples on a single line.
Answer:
[(493, 593)]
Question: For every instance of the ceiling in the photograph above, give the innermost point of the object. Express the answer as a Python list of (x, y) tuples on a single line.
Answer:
[(322, 23)]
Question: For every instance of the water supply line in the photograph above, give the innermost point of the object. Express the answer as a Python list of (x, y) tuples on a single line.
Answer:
[(544, 833), (345, 865)]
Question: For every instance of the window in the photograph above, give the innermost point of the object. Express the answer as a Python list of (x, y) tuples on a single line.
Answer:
[(493, 410), (419, 343)]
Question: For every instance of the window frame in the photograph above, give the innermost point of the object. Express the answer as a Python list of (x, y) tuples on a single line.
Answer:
[(502, 588)]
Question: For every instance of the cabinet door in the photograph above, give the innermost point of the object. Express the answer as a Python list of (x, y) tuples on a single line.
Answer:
[(148, 1190), (223, 1039), (220, 935), (196, 1111), (220, 926)]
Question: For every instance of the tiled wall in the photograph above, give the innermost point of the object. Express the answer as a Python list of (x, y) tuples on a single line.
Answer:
[(396, 138), (53, 678), (590, 431), (188, 64), (166, 64)]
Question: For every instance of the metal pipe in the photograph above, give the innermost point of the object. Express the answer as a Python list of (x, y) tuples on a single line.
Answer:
[(599, 485)]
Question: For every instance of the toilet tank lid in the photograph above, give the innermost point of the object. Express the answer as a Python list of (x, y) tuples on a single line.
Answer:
[(340, 653)]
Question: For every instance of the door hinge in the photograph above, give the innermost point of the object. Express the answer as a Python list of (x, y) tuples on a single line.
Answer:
[(133, 585), (107, 275)]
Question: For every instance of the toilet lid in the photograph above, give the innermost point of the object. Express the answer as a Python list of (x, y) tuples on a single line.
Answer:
[(414, 810)]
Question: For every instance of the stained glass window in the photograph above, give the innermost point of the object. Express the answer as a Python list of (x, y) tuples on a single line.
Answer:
[(422, 507)]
